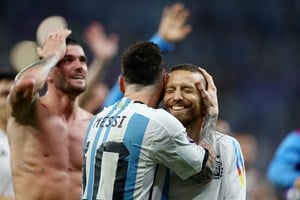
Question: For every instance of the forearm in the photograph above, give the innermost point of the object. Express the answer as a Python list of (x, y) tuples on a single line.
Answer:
[(208, 138), (206, 173), (163, 44), (207, 141), (37, 73)]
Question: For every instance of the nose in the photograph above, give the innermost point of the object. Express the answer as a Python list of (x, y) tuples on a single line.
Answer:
[(177, 95), (79, 65)]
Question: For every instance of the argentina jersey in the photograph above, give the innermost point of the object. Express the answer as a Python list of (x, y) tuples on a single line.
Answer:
[(124, 145)]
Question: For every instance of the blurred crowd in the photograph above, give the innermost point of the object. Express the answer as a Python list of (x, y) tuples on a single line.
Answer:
[(250, 48)]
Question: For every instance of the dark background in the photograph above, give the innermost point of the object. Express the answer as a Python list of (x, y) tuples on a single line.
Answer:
[(250, 47)]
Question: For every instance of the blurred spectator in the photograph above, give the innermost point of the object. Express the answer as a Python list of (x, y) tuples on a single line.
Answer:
[(6, 183), (104, 48), (223, 126), (284, 168), (258, 187)]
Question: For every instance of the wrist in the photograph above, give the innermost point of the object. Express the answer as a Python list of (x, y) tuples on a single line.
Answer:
[(164, 45)]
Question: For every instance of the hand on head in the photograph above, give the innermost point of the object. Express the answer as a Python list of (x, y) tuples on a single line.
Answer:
[(55, 43), (208, 93)]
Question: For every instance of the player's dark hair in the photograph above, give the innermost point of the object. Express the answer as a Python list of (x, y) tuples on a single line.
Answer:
[(72, 41), (142, 63), (185, 67)]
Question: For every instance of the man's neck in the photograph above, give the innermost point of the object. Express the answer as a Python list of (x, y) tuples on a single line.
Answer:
[(61, 103), (147, 95), (194, 130)]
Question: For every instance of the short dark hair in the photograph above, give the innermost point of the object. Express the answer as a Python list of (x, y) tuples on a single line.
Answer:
[(72, 41), (188, 67), (185, 67), (142, 63)]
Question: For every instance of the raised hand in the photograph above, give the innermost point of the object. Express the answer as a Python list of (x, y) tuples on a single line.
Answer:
[(55, 44), (103, 46), (173, 25)]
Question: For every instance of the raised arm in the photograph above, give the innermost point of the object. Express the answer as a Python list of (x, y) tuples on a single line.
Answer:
[(104, 47), (207, 140), (31, 80), (172, 28)]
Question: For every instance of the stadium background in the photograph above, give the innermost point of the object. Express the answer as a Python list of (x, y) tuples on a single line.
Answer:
[(250, 47)]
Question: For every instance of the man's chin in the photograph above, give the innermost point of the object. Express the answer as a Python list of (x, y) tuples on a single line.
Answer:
[(184, 118), (77, 90), (180, 117)]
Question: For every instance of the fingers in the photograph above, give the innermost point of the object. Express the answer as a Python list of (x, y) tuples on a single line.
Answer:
[(208, 94), (54, 43), (59, 34), (181, 14), (177, 10), (208, 78)]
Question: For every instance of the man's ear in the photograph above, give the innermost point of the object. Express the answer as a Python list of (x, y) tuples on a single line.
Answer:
[(166, 78), (121, 84)]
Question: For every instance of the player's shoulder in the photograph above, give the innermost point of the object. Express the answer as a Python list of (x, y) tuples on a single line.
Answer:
[(165, 120), (226, 140), (85, 114)]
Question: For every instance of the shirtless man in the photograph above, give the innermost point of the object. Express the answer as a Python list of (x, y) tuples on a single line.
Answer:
[(46, 132)]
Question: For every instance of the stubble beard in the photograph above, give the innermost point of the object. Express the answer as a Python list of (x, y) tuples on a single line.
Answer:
[(185, 118), (70, 89)]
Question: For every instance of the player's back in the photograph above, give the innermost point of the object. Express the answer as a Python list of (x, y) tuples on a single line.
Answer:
[(120, 152)]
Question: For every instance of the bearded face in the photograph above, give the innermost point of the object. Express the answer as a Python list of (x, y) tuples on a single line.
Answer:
[(70, 74), (182, 98)]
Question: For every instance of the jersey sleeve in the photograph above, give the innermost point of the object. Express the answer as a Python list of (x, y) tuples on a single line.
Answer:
[(234, 170), (172, 148), (164, 45)]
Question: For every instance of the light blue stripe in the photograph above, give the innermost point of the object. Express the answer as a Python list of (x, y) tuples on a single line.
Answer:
[(133, 140), (93, 152), (88, 131), (239, 160), (116, 114)]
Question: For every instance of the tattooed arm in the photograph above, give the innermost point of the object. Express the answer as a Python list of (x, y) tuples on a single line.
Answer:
[(30, 81), (207, 137)]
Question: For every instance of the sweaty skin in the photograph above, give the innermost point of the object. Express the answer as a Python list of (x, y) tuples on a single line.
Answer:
[(46, 133)]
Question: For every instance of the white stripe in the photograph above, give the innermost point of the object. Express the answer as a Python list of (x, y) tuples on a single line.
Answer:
[(108, 174)]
